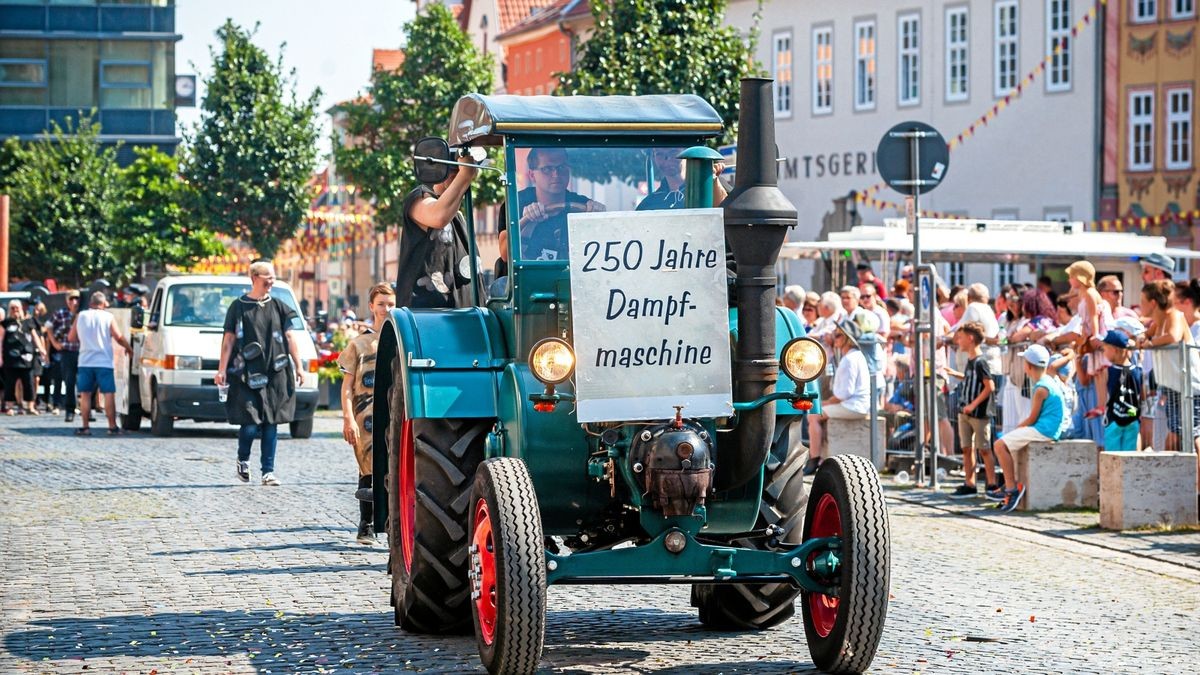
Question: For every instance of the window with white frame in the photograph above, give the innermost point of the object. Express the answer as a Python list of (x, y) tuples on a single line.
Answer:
[(956, 274), (1141, 130), (781, 68), (909, 58), (1006, 273), (1145, 11), (1006, 35), (1058, 44), (1179, 129), (1183, 9), (957, 86), (822, 66), (864, 65)]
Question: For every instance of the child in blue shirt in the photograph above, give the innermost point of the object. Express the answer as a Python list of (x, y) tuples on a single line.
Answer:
[(1044, 423)]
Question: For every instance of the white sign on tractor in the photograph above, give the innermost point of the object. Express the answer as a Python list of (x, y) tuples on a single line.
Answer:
[(650, 314)]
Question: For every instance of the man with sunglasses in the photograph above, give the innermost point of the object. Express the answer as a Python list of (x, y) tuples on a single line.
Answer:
[(671, 188), (60, 329)]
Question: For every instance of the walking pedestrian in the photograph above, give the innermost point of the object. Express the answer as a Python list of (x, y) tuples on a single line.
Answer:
[(60, 330), (22, 347), (260, 363), (357, 362), (95, 331)]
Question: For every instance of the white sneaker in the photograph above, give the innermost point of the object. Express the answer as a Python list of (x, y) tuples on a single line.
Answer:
[(243, 471), (270, 479)]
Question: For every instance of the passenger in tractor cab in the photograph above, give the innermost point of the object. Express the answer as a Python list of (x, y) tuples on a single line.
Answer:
[(671, 188)]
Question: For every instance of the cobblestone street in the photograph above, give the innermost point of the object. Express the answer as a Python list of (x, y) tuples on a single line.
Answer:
[(138, 554)]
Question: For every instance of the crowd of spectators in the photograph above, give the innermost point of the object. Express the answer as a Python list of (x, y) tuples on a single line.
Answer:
[(1032, 362)]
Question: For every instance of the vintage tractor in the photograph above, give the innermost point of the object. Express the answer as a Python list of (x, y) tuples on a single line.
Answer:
[(610, 411)]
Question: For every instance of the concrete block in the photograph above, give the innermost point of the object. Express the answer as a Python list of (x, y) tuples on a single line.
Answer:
[(1147, 488), (1061, 473), (853, 437)]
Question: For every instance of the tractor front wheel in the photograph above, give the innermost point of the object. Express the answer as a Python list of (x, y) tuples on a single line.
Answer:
[(847, 501), (507, 568), (431, 465), (761, 606)]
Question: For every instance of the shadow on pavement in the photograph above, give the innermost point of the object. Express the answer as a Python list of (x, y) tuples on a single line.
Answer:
[(275, 641), (297, 569), (205, 486), (315, 546)]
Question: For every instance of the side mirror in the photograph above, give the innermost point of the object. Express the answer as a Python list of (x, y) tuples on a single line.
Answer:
[(426, 171)]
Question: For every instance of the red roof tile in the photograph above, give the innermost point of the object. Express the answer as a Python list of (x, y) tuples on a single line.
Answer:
[(513, 12), (556, 11), (386, 59)]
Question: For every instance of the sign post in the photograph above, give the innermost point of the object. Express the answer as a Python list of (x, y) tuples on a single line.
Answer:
[(913, 159), (649, 326)]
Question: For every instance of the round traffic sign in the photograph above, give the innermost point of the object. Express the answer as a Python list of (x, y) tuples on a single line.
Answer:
[(894, 156)]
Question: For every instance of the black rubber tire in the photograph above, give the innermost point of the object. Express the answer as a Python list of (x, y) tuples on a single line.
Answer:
[(301, 428), (503, 483), (433, 596), (865, 565), (784, 499), (160, 424), (132, 420)]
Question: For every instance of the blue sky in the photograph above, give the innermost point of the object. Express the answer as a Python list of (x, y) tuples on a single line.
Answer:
[(328, 43)]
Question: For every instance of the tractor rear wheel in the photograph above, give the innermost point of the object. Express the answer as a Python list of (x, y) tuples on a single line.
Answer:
[(508, 568), (847, 501), (760, 606), (431, 466)]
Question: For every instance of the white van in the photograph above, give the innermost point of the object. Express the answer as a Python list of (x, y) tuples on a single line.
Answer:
[(175, 355)]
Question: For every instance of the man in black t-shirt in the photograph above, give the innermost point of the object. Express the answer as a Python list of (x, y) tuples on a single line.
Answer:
[(433, 243), (544, 206)]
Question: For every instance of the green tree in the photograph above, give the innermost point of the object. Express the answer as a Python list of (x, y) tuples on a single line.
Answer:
[(408, 104), (63, 203), (153, 224), (665, 47), (252, 155)]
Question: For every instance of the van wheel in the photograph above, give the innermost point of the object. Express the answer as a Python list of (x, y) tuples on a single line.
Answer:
[(301, 428), (132, 421), (735, 607), (160, 424)]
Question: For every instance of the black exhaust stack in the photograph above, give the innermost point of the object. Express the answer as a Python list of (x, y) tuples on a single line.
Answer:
[(757, 218)]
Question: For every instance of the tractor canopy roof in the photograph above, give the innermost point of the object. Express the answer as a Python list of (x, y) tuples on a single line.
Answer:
[(483, 120)]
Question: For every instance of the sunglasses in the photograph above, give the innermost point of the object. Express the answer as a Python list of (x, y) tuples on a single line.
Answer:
[(554, 169)]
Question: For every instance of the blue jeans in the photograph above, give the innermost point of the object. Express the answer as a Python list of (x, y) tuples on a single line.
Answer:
[(269, 433)]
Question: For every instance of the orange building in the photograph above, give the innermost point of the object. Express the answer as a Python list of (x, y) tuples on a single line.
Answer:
[(1149, 179), (543, 44)]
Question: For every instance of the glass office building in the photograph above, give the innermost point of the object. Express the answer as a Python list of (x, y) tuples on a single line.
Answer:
[(61, 58)]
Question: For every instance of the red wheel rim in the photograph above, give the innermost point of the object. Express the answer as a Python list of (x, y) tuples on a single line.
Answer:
[(408, 494), (485, 556), (827, 522)]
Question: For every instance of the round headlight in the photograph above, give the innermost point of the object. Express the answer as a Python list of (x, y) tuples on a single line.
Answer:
[(551, 360), (803, 359)]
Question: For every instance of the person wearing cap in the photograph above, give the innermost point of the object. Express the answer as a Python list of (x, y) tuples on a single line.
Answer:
[(1157, 266), (1123, 411), (60, 328), (851, 397), (1044, 423)]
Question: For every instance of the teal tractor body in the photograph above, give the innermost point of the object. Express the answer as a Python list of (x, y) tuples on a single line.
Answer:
[(588, 421)]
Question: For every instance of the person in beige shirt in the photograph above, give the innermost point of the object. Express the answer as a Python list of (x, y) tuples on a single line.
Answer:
[(357, 363)]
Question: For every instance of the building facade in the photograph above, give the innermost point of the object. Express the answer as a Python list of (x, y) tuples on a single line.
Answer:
[(1011, 84), (59, 60), (1150, 182), (542, 45)]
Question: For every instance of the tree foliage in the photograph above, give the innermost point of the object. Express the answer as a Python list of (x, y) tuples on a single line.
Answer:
[(253, 152), (403, 106), (665, 47), (63, 202), (153, 224)]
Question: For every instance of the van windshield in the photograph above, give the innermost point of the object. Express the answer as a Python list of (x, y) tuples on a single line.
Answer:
[(205, 305)]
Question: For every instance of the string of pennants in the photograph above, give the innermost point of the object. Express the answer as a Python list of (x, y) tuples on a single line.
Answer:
[(865, 196), (1112, 224)]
